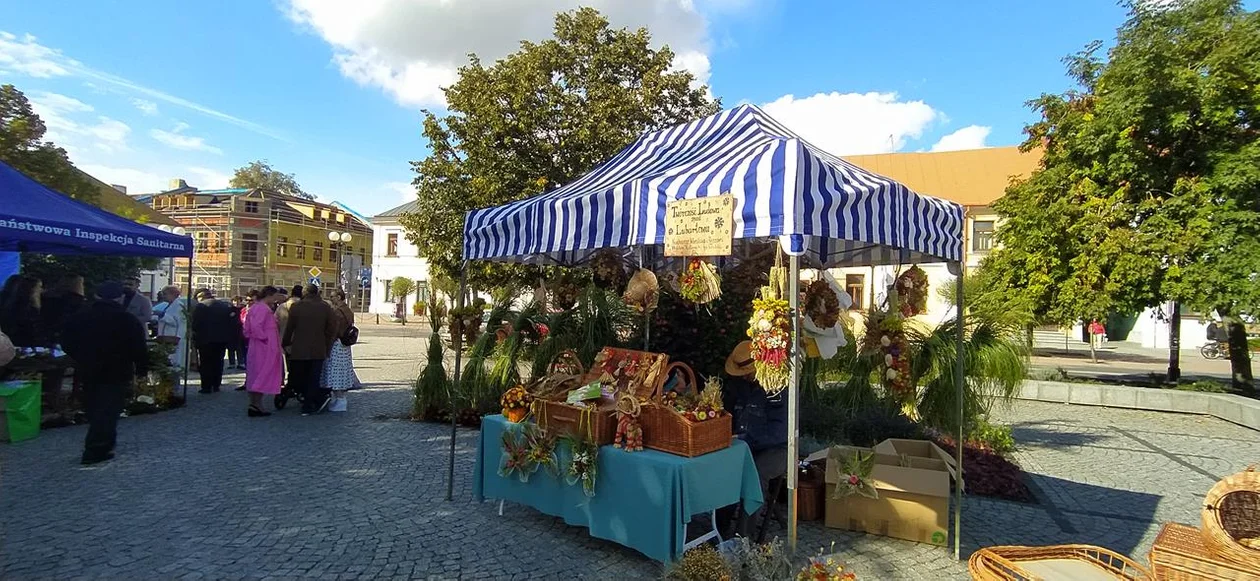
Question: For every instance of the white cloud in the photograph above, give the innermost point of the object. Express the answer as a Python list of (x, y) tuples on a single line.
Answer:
[(207, 179), (26, 56), (970, 137), (854, 123), (58, 112), (178, 140), (411, 49), (145, 106), (137, 181), (406, 191)]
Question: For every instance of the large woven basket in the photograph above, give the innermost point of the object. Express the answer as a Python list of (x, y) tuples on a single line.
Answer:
[(1054, 563), (1231, 518), (1179, 554), (667, 430), (559, 418)]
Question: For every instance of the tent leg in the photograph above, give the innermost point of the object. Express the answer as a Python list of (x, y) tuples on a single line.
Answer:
[(459, 350), (188, 298), (959, 380), (793, 454)]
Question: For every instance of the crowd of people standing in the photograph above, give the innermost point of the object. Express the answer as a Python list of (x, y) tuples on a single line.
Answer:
[(273, 335)]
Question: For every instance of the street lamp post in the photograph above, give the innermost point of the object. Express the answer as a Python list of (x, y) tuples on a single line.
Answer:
[(341, 240)]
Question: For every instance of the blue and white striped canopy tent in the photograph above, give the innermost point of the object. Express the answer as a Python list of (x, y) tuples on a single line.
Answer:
[(825, 211), (831, 212)]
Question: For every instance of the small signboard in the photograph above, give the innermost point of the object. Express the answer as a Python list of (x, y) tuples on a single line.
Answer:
[(315, 272), (700, 226), (314, 280)]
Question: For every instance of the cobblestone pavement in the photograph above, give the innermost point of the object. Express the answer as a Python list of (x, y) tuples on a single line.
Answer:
[(207, 493)]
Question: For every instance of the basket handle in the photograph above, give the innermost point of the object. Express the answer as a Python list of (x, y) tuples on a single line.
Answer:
[(569, 358), (687, 380)]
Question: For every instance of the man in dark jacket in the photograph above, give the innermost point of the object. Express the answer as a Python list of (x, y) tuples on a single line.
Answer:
[(758, 419), (214, 327), (109, 350), (308, 335)]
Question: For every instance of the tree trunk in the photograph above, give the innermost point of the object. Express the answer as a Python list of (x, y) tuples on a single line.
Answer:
[(1239, 355), (1174, 344)]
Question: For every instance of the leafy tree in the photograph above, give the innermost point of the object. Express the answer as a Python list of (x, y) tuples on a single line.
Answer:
[(1150, 185), (260, 174), (535, 120), (23, 147)]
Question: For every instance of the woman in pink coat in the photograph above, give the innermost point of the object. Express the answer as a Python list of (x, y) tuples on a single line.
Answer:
[(264, 368)]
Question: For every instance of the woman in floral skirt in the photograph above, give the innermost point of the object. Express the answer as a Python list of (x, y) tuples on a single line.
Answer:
[(339, 367)]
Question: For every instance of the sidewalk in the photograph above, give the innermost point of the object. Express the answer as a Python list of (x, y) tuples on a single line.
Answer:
[(1119, 358)]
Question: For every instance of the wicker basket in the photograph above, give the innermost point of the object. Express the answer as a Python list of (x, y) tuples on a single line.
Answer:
[(1060, 562), (559, 418), (667, 430), (1180, 554), (1231, 513)]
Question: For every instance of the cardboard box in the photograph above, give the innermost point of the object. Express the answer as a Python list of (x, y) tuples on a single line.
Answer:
[(913, 487)]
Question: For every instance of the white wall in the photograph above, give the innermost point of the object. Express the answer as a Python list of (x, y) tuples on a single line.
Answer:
[(385, 268), (1152, 332)]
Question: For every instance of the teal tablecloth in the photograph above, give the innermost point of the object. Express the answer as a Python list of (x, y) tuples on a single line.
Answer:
[(643, 500)]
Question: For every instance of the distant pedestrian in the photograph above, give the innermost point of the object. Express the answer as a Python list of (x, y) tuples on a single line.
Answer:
[(172, 328), (339, 368), (136, 303), (1096, 334), (264, 369), (282, 321), (109, 350), (238, 348), (309, 334), (214, 327)]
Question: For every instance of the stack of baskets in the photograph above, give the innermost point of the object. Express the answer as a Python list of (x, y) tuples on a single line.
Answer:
[(1228, 545), (667, 430)]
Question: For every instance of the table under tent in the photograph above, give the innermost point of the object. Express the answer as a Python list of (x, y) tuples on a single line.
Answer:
[(36, 218), (823, 211)]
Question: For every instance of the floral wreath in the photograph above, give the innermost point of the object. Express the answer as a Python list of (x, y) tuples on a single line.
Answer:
[(608, 271), (912, 291), (822, 305), (583, 465), (516, 456)]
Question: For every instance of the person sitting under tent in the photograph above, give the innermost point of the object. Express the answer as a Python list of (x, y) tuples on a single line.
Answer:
[(761, 422)]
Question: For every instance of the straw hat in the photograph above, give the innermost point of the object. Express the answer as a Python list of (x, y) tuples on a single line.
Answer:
[(740, 362), (642, 291)]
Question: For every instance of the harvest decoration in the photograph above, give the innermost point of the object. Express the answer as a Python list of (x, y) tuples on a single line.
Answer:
[(822, 305), (855, 476), (542, 449), (629, 433), (770, 331), (825, 569), (583, 463), (516, 456), (515, 403), (608, 271), (709, 405), (700, 282), (912, 291)]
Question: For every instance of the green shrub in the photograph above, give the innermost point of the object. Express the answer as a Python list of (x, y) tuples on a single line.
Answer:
[(432, 396), (1204, 386), (993, 437)]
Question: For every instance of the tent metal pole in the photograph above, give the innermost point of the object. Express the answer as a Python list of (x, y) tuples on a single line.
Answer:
[(794, 378), (959, 380), (187, 326), (455, 391)]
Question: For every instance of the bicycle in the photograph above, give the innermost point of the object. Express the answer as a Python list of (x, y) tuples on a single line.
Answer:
[(1214, 350)]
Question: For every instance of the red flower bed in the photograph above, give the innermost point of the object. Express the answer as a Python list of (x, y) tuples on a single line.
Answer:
[(988, 474)]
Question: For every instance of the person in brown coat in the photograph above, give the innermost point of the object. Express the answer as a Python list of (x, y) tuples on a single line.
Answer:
[(308, 335)]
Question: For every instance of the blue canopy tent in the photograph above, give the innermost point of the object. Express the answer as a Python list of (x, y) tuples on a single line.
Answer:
[(35, 218), (820, 208)]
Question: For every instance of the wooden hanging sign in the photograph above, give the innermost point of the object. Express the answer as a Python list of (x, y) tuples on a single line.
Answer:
[(700, 226)]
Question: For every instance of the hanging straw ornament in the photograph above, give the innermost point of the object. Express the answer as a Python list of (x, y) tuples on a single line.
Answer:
[(700, 282), (770, 330), (642, 292)]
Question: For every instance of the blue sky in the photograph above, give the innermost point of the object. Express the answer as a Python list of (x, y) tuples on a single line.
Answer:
[(143, 91)]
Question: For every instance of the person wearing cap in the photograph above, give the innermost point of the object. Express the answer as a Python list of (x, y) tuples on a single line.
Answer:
[(758, 419), (109, 349), (135, 302), (214, 327)]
